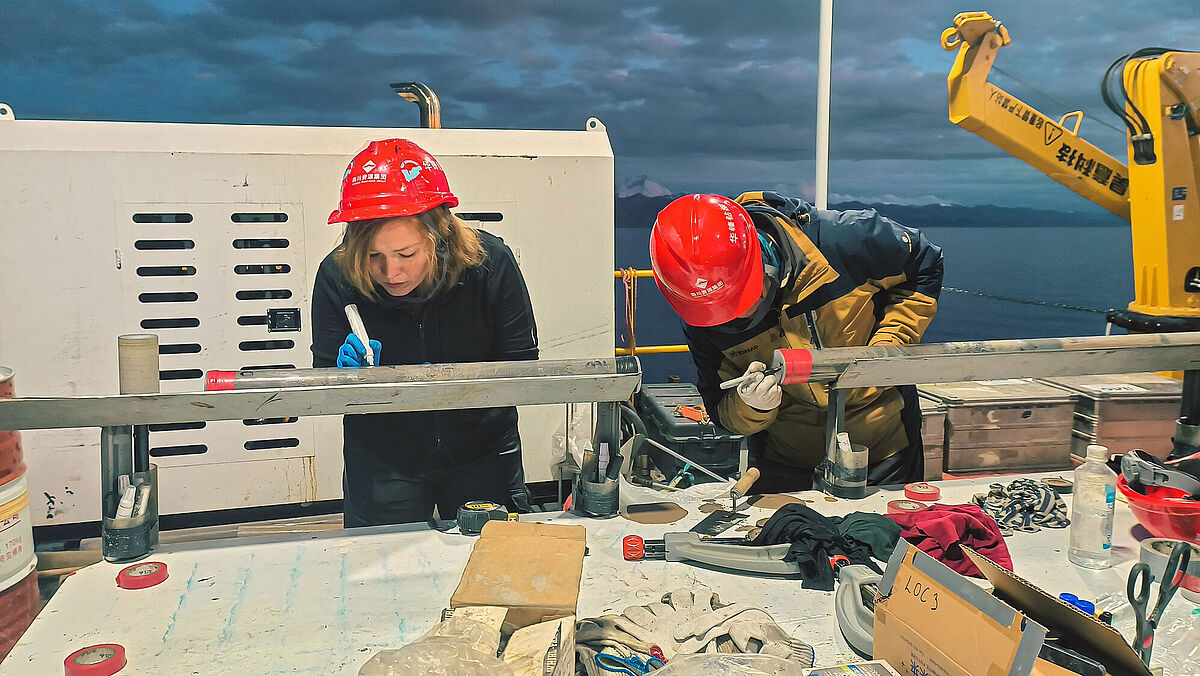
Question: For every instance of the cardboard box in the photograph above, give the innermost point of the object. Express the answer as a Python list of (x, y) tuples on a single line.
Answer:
[(934, 621), (533, 569)]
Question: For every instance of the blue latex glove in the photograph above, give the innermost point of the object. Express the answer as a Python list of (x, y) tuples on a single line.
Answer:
[(353, 354)]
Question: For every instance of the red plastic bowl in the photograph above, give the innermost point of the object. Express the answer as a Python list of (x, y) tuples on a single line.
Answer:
[(1165, 512)]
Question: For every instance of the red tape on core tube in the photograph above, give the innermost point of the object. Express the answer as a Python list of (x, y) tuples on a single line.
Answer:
[(105, 659), (922, 491), (215, 381), (797, 365)]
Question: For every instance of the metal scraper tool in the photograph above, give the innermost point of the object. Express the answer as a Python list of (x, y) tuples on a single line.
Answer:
[(720, 520)]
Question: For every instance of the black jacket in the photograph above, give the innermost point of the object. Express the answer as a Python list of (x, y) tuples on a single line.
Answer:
[(486, 317)]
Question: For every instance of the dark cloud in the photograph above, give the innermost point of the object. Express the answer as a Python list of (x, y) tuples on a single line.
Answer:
[(693, 92)]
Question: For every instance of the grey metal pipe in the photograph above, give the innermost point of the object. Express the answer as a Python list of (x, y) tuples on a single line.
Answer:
[(431, 387), (423, 373), (420, 94), (883, 365)]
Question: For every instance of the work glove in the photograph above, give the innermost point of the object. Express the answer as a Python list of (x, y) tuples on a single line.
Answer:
[(353, 354), (660, 621), (751, 629), (641, 627), (761, 392)]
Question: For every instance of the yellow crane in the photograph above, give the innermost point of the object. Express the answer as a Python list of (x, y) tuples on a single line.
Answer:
[(1157, 92)]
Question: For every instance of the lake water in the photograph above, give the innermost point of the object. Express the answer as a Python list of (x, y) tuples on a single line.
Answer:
[(1039, 270)]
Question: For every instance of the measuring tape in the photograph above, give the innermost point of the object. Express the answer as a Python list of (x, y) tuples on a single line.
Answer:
[(105, 659), (922, 491), (142, 575), (473, 515)]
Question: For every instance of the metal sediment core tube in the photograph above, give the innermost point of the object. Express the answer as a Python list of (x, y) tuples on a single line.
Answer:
[(320, 377)]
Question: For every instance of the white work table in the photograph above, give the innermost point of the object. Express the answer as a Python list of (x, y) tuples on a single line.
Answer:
[(325, 603)]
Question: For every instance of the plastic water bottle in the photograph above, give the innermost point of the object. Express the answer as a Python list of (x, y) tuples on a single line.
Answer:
[(1092, 503)]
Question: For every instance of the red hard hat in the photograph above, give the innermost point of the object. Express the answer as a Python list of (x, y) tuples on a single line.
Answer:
[(706, 259), (393, 177)]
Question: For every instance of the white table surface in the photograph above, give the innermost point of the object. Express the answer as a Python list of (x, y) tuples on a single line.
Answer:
[(324, 603)]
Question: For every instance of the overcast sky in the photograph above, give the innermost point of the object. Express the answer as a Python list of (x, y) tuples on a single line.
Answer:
[(700, 96)]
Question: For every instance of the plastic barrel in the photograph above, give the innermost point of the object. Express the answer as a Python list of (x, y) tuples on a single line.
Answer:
[(18, 574)]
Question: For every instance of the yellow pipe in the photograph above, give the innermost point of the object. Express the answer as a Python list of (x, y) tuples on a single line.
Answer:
[(653, 349), (648, 349)]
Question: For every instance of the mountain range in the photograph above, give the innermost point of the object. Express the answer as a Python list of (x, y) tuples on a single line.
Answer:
[(638, 210)]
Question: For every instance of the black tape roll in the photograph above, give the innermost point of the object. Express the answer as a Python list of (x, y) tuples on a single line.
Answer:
[(1059, 485)]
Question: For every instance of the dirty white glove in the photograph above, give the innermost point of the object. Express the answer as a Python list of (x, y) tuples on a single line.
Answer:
[(751, 629), (760, 392), (640, 627), (656, 623), (616, 632)]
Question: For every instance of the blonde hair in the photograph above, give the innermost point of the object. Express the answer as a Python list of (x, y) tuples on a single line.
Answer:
[(453, 247)]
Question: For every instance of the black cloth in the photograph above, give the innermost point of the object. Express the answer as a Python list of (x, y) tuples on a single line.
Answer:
[(486, 317), (390, 497), (816, 538)]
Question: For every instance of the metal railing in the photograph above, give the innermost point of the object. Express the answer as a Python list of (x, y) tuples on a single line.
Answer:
[(629, 277)]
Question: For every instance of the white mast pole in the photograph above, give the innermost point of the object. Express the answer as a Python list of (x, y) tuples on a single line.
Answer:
[(824, 60)]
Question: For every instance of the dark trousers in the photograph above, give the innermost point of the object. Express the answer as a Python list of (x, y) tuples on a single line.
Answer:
[(904, 467), (379, 497)]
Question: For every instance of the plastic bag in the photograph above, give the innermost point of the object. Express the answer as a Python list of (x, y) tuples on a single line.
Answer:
[(632, 494), (573, 436), (718, 664), (1177, 645), (456, 646)]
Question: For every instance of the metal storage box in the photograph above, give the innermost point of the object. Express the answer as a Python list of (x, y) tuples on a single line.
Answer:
[(709, 445), (1123, 411), (933, 436), (1004, 425)]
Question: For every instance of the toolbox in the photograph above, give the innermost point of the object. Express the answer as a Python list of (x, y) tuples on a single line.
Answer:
[(1003, 425), (933, 436), (701, 441), (1123, 411)]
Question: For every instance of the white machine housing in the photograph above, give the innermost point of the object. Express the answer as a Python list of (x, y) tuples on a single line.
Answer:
[(195, 231)]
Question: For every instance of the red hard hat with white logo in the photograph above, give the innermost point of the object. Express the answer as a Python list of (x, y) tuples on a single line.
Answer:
[(393, 177), (706, 259)]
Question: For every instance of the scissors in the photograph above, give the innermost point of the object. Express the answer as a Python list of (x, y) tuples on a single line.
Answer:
[(632, 665), (1138, 590)]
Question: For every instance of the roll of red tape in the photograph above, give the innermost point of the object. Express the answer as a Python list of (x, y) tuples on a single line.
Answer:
[(142, 575), (904, 507), (922, 491), (104, 659)]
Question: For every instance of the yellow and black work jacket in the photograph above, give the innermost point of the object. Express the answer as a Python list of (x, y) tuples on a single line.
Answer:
[(853, 278)]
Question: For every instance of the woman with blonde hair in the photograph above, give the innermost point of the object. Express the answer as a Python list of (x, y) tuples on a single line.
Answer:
[(429, 289)]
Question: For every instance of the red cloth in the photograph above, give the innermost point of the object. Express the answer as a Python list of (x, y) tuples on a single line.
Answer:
[(943, 530)]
